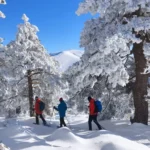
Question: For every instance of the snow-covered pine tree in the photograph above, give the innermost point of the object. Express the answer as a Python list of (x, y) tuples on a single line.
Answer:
[(117, 102), (2, 16), (1, 39), (34, 72), (121, 28), (4, 94), (2, 71)]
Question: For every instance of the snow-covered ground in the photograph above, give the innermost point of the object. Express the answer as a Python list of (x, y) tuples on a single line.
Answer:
[(67, 58), (22, 134)]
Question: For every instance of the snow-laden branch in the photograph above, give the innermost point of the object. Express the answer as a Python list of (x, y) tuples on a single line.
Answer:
[(2, 15), (2, 2)]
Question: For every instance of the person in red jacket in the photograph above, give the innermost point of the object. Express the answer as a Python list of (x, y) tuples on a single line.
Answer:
[(92, 114), (38, 111)]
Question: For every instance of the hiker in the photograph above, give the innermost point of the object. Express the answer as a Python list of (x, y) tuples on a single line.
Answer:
[(93, 114), (62, 107), (39, 107)]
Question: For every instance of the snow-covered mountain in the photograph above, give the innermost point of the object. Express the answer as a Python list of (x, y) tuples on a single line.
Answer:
[(67, 58)]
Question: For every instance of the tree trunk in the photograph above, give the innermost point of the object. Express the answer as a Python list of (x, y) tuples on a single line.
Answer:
[(140, 86), (30, 94)]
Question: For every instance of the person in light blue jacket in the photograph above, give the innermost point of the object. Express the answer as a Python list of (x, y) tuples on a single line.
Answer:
[(62, 107)]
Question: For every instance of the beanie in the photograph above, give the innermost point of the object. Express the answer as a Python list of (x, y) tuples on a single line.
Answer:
[(61, 99), (89, 98)]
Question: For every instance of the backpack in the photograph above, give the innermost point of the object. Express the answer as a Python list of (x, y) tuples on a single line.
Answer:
[(42, 105), (98, 106)]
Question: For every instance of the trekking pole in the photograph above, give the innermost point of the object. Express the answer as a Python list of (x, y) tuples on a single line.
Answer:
[(68, 123), (52, 112)]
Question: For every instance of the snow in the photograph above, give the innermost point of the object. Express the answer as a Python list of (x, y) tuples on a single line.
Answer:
[(1, 40), (3, 147), (2, 15), (21, 134), (2, 2), (67, 58), (25, 18)]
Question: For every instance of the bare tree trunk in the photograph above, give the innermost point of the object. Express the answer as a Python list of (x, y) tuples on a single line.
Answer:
[(30, 94), (140, 86)]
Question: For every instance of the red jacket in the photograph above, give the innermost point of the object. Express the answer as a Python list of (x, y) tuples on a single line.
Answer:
[(92, 107), (37, 107)]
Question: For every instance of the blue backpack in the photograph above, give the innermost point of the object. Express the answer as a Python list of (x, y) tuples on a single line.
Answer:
[(98, 106), (42, 105)]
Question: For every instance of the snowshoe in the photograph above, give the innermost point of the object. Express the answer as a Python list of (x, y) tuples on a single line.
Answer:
[(36, 123), (45, 124), (61, 127)]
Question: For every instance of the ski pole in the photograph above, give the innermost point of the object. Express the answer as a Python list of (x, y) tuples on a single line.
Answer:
[(68, 123)]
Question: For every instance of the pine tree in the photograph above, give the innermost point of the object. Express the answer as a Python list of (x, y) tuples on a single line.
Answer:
[(121, 29), (34, 72)]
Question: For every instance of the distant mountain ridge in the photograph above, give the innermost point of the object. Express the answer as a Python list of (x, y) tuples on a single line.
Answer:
[(54, 54), (67, 58)]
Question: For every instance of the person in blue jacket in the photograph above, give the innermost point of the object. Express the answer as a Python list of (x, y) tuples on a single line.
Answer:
[(62, 107)]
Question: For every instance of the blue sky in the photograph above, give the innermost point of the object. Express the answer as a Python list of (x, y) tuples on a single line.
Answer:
[(59, 26)]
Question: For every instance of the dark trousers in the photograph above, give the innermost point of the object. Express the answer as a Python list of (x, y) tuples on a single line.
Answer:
[(93, 118), (37, 118), (62, 122)]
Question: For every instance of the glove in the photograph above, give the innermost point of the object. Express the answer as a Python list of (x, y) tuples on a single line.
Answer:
[(55, 108)]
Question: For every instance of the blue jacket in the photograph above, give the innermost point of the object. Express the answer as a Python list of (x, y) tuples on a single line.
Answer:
[(62, 107)]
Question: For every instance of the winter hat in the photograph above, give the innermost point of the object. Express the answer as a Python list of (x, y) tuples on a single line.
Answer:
[(61, 99), (36, 97), (89, 98)]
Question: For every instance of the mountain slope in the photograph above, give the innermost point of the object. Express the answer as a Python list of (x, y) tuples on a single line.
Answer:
[(67, 58)]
